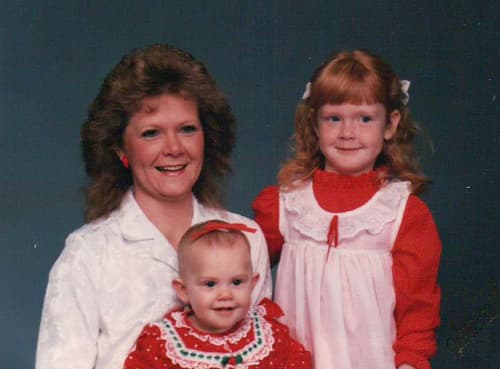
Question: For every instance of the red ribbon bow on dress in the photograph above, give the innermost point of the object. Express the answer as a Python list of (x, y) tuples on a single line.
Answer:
[(333, 234), (216, 225), (233, 360)]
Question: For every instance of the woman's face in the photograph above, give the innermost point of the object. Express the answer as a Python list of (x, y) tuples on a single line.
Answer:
[(164, 144)]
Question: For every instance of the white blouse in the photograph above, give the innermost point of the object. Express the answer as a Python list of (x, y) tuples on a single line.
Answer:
[(112, 278)]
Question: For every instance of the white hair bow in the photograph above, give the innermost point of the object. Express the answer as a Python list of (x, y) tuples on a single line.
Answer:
[(405, 87)]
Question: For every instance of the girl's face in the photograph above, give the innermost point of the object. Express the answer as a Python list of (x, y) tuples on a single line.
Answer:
[(351, 137), (164, 144)]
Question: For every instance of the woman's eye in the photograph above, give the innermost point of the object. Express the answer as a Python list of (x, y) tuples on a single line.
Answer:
[(210, 284), (150, 133), (190, 128), (366, 119)]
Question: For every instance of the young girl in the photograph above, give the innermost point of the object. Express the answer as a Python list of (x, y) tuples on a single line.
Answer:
[(218, 328), (359, 251)]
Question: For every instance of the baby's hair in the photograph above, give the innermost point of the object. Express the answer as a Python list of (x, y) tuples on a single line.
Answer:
[(353, 77), (198, 235)]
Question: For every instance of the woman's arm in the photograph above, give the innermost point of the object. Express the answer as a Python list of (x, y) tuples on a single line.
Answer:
[(69, 327)]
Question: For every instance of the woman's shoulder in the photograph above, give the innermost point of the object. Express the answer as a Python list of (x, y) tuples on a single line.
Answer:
[(89, 239), (86, 244), (94, 229), (83, 243), (82, 249), (125, 215)]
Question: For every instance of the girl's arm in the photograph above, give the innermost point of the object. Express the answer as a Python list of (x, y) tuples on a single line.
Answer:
[(69, 327), (416, 255), (266, 210)]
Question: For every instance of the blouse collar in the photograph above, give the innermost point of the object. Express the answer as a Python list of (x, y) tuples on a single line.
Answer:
[(135, 225)]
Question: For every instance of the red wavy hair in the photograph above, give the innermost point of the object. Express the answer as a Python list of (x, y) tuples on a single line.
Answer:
[(354, 77)]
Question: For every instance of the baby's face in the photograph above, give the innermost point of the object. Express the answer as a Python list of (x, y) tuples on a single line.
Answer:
[(219, 283)]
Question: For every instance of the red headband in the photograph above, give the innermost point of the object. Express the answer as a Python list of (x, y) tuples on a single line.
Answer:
[(215, 225)]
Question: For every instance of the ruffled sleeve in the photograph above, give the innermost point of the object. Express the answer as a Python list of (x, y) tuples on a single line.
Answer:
[(273, 311), (416, 255), (149, 351), (266, 210)]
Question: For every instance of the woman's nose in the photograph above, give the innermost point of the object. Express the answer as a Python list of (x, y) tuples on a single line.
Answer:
[(172, 144)]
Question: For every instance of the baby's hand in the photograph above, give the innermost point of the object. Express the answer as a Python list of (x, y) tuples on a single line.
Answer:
[(406, 366)]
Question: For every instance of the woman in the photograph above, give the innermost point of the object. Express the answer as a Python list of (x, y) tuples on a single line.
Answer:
[(156, 147)]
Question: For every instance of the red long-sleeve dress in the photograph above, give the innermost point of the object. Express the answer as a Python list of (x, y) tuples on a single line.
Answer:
[(415, 256)]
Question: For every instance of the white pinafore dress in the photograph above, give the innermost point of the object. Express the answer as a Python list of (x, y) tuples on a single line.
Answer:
[(339, 301)]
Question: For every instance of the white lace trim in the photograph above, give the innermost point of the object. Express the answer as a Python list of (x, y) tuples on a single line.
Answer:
[(251, 354), (222, 340), (370, 217)]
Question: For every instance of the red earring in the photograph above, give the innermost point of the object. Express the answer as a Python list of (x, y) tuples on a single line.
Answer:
[(125, 162)]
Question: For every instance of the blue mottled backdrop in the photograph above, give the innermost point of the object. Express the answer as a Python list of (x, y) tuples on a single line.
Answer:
[(54, 55)]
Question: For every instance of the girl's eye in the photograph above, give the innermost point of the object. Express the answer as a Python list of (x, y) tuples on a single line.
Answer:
[(333, 118), (150, 133), (190, 128), (210, 284), (366, 119), (237, 282)]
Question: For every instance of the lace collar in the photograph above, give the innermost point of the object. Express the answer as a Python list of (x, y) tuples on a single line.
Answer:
[(245, 346)]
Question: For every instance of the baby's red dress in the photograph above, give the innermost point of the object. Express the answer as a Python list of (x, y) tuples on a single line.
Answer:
[(260, 341)]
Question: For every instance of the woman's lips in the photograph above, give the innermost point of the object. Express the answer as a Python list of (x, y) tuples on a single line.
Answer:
[(171, 168)]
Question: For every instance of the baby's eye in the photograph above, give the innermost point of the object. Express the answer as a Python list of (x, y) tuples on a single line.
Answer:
[(189, 128), (210, 284), (366, 119), (237, 282), (150, 133)]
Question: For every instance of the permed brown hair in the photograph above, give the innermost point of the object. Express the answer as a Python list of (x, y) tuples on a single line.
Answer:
[(155, 70), (353, 77)]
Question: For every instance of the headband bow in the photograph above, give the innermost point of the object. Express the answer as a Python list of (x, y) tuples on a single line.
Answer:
[(216, 225)]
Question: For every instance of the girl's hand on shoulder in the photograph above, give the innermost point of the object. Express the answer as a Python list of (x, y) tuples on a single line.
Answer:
[(406, 366)]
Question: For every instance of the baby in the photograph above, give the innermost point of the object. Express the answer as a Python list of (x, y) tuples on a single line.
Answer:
[(218, 328)]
